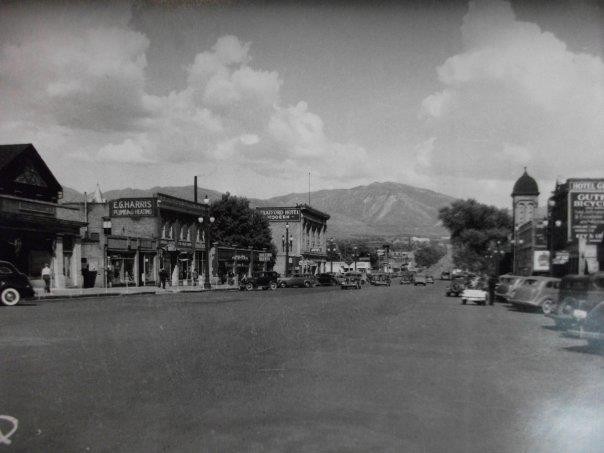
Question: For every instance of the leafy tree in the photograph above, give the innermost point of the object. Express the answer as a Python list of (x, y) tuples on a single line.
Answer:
[(236, 223), (474, 228), (429, 254)]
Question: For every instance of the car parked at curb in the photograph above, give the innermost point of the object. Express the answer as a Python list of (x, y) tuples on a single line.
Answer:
[(380, 279), (536, 292), (327, 279), (14, 285), (351, 280), (592, 327), (445, 275), (507, 284), (263, 280), (419, 280), (300, 280), (579, 294), (430, 279)]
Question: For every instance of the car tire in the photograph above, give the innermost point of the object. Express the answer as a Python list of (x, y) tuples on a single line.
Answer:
[(272, 286), (307, 284), (249, 286), (282, 285), (547, 306), (10, 297)]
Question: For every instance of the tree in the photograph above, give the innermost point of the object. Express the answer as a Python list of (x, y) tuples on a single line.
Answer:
[(237, 223), (474, 228), (429, 254)]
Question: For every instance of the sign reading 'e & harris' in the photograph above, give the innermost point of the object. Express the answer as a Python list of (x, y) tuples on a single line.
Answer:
[(133, 207), (280, 214)]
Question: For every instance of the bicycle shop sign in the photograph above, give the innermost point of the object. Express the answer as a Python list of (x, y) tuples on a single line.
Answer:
[(133, 207), (280, 214), (586, 209)]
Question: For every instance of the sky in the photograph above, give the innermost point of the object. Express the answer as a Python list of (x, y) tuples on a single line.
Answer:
[(452, 96)]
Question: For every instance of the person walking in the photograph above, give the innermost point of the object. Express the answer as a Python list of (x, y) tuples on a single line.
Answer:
[(46, 277), (163, 276)]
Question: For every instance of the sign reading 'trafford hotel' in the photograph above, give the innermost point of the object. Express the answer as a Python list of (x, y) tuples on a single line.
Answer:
[(133, 207), (280, 214)]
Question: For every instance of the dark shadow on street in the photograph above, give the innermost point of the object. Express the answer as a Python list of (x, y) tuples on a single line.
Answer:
[(586, 349)]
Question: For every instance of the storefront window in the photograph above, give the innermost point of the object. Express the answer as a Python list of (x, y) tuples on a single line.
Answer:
[(121, 270), (148, 271)]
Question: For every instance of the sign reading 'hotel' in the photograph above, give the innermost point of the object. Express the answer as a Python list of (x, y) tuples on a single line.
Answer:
[(132, 207), (280, 214), (586, 207)]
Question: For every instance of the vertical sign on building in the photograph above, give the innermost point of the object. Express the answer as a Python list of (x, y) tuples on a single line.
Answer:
[(586, 209)]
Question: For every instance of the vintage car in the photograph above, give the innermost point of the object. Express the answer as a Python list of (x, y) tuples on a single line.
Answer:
[(351, 280), (507, 284), (407, 278), (327, 279), (264, 280), (456, 287), (591, 328), (536, 292), (419, 279), (445, 275), (380, 279), (429, 279), (578, 295), (14, 285), (305, 280)]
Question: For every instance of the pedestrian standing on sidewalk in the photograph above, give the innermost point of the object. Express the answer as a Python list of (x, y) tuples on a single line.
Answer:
[(163, 276), (46, 277)]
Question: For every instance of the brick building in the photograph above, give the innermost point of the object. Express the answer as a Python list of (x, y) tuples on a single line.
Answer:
[(300, 236)]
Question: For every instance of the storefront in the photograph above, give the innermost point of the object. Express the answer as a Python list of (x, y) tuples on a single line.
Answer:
[(34, 229)]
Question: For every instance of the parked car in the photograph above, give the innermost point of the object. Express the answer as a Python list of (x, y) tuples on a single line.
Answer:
[(419, 280), (456, 287), (445, 275), (406, 278), (327, 279), (592, 327), (351, 280), (578, 295), (264, 280), (380, 279), (536, 292), (14, 285), (507, 284), (477, 293), (429, 279), (306, 280)]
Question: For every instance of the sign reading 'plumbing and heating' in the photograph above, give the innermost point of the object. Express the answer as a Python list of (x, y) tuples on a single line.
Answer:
[(280, 214), (133, 207)]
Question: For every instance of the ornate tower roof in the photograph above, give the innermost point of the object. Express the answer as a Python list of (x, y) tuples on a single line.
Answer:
[(525, 185)]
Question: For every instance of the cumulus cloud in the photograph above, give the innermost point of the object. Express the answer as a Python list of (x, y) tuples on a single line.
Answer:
[(515, 96), (89, 82)]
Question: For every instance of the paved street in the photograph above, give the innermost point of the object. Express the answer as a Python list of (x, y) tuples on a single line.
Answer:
[(381, 369)]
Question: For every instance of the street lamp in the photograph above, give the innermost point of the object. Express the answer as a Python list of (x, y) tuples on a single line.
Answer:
[(332, 250), (355, 257), (206, 263)]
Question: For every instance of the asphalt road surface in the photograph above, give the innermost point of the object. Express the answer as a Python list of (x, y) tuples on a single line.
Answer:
[(295, 370)]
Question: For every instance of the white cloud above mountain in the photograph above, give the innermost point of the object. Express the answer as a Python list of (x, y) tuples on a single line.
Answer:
[(516, 95)]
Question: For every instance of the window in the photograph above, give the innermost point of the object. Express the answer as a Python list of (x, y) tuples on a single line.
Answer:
[(5, 270)]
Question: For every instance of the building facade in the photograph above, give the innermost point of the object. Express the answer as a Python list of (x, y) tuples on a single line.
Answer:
[(525, 201), (34, 228), (300, 236), (576, 226)]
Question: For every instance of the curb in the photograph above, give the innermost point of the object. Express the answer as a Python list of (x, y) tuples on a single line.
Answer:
[(118, 294)]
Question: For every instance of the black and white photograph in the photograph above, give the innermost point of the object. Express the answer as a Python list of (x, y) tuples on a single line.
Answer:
[(302, 226)]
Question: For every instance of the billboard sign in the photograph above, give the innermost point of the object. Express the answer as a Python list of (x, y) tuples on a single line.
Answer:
[(280, 214), (586, 210), (541, 260), (133, 207)]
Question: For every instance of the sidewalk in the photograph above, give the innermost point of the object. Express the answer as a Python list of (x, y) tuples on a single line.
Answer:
[(68, 293)]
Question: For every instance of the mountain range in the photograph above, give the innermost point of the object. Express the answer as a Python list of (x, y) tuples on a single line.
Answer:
[(382, 209)]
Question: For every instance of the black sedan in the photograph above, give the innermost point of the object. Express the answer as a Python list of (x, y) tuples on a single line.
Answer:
[(327, 279), (14, 285)]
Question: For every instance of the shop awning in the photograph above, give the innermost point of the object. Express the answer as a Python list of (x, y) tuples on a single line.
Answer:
[(29, 222)]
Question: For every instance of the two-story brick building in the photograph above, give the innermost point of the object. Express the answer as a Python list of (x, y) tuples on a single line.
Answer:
[(300, 236)]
